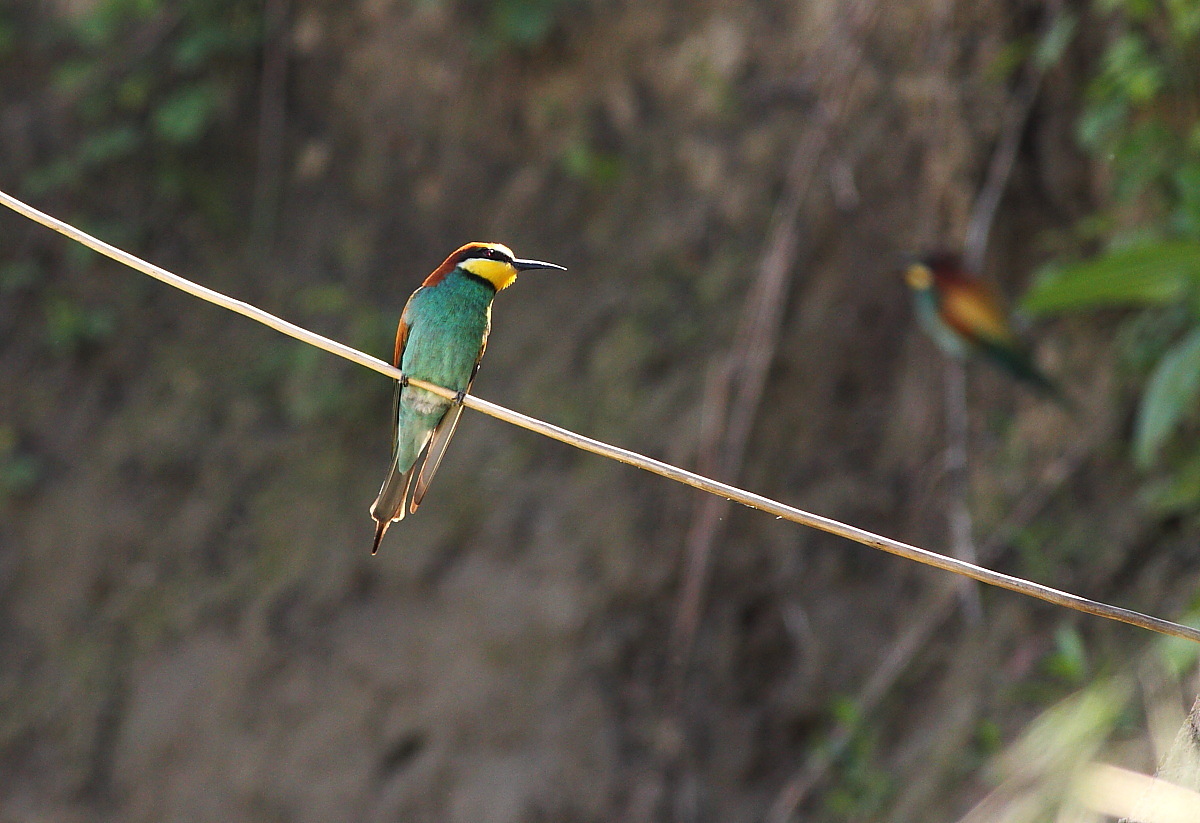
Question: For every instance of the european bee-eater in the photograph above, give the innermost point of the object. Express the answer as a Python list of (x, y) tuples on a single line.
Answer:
[(965, 316), (441, 338)]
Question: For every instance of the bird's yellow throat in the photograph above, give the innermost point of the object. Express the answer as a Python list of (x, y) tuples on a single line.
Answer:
[(497, 272), (919, 276)]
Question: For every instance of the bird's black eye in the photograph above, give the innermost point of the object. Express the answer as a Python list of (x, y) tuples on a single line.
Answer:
[(485, 253)]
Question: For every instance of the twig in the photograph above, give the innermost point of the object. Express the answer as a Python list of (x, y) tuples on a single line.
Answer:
[(272, 116), (735, 396), (929, 617), (755, 501), (983, 213), (958, 477), (884, 676), (761, 319), (983, 216)]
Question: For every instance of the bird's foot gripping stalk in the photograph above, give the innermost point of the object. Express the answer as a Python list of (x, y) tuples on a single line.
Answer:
[(403, 381), (460, 396)]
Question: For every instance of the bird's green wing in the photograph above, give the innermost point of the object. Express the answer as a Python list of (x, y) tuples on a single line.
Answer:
[(389, 505), (436, 451)]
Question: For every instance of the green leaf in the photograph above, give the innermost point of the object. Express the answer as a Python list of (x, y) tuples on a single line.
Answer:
[(69, 327), (73, 76), (18, 274), (200, 46), (19, 474), (1010, 58), (1146, 275), (1178, 491), (521, 22), (845, 711), (1100, 121), (59, 174), (8, 37), (184, 116), (134, 92), (1069, 660), (111, 144), (1185, 19), (1054, 43), (1170, 394), (584, 163), (1186, 217)]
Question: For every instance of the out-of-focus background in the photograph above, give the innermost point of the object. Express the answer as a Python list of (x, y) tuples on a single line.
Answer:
[(191, 625)]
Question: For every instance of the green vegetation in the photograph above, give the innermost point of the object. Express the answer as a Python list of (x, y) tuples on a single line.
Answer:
[(862, 787), (1141, 119), (1069, 660), (1037, 773), (71, 326), (18, 471), (142, 94), (186, 492), (587, 165), (143, 82), (522, 24)]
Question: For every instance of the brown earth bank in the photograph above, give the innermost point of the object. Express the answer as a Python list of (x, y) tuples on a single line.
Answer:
[(193, 627)]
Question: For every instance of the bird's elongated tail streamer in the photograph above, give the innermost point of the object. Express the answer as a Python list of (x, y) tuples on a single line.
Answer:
[(755, 501)]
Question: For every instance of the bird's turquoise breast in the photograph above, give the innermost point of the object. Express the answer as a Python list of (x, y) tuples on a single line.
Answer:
[(447, 326), (929, 316)]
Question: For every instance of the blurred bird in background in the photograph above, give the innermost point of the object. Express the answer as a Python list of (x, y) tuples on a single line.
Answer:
[(441, 338), (966, 317)]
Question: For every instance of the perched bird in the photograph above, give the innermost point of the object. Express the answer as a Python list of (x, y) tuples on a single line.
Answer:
[(442, 334), (965, 316)]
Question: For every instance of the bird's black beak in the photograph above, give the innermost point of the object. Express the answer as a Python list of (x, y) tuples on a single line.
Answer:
[(529, 265)]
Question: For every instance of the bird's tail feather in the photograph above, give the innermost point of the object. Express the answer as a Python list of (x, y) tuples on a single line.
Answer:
[(389, 505), (1020, 364)]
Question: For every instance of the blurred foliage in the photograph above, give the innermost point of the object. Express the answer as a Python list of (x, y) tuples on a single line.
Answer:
[(862, 788), (19, 472), (1040, 771), (1141, 119), (1153, 274), (1069, 660), (587, 165), (16, 275), (142, 83), (1041, 52), (131, 112), (1039, 775), (72, 326), (1141, 110), (521, 24)]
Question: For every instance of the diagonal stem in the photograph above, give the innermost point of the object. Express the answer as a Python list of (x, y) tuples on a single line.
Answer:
[(732, 493)]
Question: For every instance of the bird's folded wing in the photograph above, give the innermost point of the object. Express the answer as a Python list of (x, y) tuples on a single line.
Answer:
[(437, 450), (975, 312)]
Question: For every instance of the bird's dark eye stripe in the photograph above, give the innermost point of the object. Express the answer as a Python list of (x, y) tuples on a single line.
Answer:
[(487, 254)]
